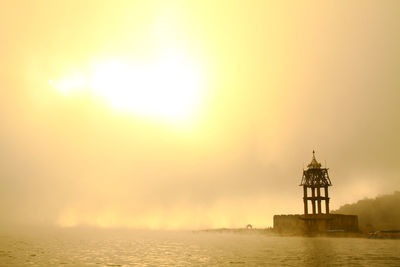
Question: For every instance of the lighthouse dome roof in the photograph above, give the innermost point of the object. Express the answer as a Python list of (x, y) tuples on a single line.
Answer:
[(314, 164)]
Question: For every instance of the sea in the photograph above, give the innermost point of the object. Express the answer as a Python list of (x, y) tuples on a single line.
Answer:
[(122, 247)]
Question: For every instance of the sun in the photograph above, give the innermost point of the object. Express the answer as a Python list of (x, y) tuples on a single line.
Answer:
[(168, 88)]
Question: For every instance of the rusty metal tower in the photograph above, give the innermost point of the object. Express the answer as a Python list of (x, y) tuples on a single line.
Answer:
[(315, 178)]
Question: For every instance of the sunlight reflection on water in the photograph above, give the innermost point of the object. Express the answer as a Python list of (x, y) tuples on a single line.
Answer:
[(157, 248)]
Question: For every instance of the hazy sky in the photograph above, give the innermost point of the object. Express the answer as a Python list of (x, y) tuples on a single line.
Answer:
[(193, 114)]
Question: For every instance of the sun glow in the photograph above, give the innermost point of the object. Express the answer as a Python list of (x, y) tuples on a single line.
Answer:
[(168, 88)]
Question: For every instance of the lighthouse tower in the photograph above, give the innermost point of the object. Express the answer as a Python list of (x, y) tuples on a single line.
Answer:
[(314, 180), (315, 183)]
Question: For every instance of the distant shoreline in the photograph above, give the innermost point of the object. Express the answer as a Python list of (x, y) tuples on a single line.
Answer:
[(271, 232), (268, 231)]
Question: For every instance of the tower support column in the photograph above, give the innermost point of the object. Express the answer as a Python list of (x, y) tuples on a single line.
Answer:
[(305, 200), (313, 200), (319, 200), (326, 200)]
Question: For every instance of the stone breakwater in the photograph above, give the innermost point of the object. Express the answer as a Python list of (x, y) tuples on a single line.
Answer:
[(315, 223)]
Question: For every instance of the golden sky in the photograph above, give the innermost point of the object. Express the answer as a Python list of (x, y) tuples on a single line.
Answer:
[(193, 114)]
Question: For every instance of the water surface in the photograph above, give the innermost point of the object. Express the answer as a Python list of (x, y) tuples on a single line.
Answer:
[(88, 247)]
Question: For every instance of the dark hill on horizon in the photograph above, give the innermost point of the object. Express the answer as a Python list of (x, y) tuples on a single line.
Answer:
[(380, 213)]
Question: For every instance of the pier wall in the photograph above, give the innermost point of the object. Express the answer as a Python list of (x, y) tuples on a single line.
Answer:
[(315, 223)]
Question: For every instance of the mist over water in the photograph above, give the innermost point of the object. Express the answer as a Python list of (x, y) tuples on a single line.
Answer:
[(187, 115), (381, 213), (94, 247), (277, 81)]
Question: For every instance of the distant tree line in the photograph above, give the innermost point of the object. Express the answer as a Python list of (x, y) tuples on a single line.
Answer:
[(380, 213)]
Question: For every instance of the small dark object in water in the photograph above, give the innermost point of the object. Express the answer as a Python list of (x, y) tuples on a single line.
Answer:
[(385, 234)]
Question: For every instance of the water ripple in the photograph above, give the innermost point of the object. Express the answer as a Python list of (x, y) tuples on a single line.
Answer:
[(109, 248)]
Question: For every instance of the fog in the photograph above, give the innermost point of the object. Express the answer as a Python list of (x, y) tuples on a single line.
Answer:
[(279, 82), (380, 213)]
